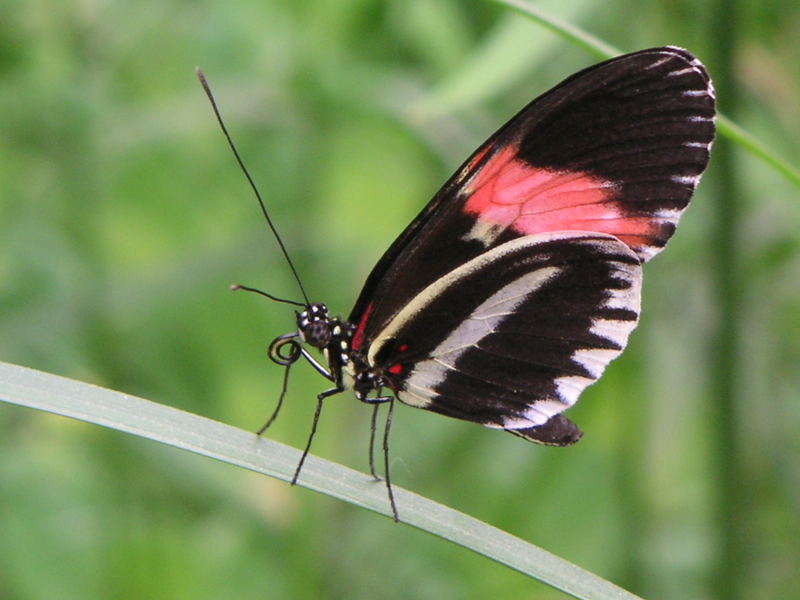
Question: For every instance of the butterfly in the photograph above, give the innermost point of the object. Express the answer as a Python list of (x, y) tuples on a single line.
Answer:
[(520, 281)]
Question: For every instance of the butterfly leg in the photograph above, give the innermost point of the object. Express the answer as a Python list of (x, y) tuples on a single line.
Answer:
[(373, 427), (377, 401), (280, 400), (320, 398), (284, 351), (386, 430)]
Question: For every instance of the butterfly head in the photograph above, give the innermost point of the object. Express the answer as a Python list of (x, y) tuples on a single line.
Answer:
[(315, 325)]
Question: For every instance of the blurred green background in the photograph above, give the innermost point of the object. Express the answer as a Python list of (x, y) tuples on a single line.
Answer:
[(123, 220)]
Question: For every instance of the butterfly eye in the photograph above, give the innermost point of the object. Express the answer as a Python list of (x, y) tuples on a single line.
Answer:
[(317, 333)]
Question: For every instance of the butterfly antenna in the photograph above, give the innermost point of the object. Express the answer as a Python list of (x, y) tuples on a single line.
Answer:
[(201, 76), (238, 286)]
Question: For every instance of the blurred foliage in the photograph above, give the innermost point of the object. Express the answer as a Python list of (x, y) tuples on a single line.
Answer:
[(124, 220)]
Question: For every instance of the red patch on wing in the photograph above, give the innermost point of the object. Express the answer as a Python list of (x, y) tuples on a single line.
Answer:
[(358, 338), (511, 193)]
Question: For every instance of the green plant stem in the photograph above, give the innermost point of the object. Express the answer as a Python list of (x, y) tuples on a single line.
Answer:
[(725, 459), (569, 32)]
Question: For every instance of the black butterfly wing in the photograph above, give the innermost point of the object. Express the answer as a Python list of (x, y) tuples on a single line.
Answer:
[(511, 338), (617, 148)]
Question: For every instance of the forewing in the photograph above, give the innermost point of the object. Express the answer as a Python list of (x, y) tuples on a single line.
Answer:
[(617, 148), (511, 338)]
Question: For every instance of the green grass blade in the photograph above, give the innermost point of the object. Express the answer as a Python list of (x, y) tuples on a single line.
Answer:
[(504, 56), (93, 404), (599, 48), (733, 132), (573, 34)]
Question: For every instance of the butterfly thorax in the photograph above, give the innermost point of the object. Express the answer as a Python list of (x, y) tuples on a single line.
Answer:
[(334, 336)]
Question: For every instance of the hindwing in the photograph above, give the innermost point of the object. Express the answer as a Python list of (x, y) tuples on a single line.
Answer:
[(512, 337)]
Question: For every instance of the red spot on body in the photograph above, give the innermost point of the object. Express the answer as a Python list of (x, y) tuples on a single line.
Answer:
[(358, 338), (508, 192)]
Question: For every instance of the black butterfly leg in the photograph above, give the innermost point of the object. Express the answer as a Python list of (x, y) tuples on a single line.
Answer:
[(280, 401), (320, 398), (283, 351), (372, 430), (386, 460), (377, 401)]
